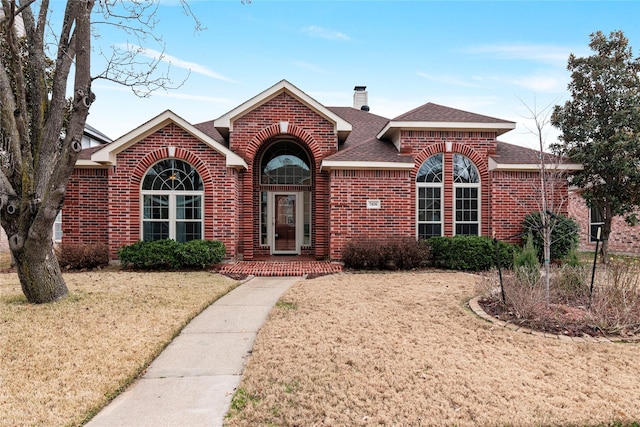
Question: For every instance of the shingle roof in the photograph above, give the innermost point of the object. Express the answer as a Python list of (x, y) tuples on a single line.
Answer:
[(431, 112), (212, 132), (86, 153), (362, 144), (510, 154)]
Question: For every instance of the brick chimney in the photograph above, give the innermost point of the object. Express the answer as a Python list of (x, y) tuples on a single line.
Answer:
[(361, 98)]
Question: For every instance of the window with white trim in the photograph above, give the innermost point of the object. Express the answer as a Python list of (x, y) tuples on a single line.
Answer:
[(172, 199), (429, 185), (596, 221), (466, 186), (57, 228)]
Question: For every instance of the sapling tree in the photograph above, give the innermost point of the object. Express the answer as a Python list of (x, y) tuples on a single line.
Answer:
[(550, 190), (45, 97)]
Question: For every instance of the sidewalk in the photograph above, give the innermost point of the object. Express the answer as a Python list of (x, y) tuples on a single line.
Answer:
[(192, 381)]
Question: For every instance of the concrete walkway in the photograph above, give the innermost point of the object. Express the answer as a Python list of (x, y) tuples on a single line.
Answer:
[(192, 381)]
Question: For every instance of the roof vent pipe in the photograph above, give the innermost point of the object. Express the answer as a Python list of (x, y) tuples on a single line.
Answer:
[(365, 108), (360, 97)]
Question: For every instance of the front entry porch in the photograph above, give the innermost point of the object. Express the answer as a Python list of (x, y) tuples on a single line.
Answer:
[(281, 267)]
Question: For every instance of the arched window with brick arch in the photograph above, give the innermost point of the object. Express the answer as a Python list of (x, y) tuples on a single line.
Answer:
[(172, 199), (429, 183), (466, 186)]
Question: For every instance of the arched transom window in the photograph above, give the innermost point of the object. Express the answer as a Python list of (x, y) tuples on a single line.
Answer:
[(285, 163), (172, 193), (430, 184)]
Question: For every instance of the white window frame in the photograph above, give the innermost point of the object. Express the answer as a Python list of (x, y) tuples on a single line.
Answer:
[(593, 238), (57, 228), (462, 185), (172, 205), (439, 185), (173, 220)]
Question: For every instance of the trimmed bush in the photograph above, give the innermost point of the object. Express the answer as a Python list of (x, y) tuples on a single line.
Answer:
[(369, 253), (469, 253), (564, 234), (201, 253), (168, 254), (82, 256)]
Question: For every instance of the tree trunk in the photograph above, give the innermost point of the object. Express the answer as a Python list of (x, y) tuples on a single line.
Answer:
[(39, 272)]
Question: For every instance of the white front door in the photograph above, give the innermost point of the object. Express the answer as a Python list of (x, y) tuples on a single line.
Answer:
[(286, 219)]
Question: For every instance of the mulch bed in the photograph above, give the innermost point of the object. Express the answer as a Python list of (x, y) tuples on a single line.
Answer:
[(558, 319)]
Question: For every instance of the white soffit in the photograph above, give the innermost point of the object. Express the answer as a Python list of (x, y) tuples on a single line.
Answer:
[(493, 165), (355, 165), (110, 151)]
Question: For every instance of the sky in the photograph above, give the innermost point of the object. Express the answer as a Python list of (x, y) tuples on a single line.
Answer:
[(500, 59)]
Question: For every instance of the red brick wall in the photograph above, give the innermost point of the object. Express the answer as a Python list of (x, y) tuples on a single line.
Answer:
[(482, 143), (220, 187), (623, 239), (251, 134), (516, 194), (85, 213), (350, 218)]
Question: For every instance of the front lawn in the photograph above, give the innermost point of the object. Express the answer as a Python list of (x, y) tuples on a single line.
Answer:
[(61, 362)]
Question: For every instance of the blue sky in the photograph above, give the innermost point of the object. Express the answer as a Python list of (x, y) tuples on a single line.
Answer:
[(492, 58)]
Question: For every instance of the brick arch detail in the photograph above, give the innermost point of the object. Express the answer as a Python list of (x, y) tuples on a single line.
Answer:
[(273, 131), (162, 154), (456, 148)]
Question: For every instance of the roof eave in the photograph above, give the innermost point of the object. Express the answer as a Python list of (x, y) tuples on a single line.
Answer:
[(532, 167), (498, 127), (88, 164), (364, 165), (109, 153)]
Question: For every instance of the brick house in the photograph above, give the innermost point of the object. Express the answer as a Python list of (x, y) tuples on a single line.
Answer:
[(284, 174)]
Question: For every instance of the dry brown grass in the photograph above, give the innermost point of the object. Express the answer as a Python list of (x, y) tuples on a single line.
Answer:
[(401, 349), (61, 362)]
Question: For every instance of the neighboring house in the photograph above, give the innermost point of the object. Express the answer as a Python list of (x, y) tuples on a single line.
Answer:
[(91, 138), (284, 174)]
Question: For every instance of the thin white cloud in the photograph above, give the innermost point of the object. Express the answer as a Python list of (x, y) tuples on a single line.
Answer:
[(450, 80), (325, 33), (177, 62), (550, 54), (309, 66), (541, 83)]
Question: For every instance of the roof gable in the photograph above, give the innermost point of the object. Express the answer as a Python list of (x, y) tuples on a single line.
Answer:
[(432, 116), (434, 113), (224, 124), (109, 152)]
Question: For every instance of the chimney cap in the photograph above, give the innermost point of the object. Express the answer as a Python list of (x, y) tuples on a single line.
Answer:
[(359, 88)]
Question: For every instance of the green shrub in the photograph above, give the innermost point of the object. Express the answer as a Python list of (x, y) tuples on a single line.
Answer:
[(151, 255), (564, 234), (384, 253), (469, 253), (81, 256), (526, 265), (201, 253), (168, 254)]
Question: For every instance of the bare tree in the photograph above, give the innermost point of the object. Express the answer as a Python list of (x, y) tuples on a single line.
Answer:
[(41, 127), (550, 191)]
